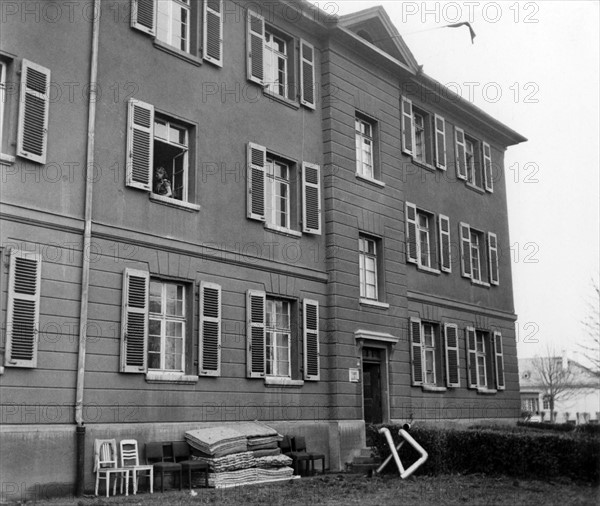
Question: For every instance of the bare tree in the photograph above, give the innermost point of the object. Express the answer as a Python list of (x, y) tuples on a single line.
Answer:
[(556, 378), (590, 347)]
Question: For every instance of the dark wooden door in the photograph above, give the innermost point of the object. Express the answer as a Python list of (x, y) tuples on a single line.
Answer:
[(372, 392)]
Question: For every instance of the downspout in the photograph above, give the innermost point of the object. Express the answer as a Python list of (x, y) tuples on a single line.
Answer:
[(87, 240)]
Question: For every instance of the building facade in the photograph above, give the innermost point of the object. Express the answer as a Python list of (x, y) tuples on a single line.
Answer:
[(576, 390), (220, 211)]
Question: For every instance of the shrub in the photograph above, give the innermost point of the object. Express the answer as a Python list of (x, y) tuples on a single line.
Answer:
[(513, 452)]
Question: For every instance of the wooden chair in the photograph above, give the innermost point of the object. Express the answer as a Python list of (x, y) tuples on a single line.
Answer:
[(181, 450), (130, 460), (105, 465), (156, 455), (299, 445), (297, 457)]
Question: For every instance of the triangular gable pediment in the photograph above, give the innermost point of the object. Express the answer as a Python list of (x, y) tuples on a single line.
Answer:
[(375, 27)]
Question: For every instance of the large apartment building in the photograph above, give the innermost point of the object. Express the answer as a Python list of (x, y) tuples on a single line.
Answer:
[(220, 211)]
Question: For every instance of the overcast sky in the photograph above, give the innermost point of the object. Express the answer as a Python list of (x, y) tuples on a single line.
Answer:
[(536, 69)]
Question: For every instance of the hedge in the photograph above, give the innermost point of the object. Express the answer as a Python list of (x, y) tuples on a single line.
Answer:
[(518, 452), (586, 428)]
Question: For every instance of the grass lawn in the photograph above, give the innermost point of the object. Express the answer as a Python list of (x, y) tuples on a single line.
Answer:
[(348, 489)]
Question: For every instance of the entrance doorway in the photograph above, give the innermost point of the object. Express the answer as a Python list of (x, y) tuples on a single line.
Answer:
[(371, 378)]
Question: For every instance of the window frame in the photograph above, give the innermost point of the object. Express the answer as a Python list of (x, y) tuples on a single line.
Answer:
[(429, 349), (205, 22), (432, 232), (360, 138), (165, 319), (273, 359), (169, 123), (3, 103), (485, 359), (185, 6), (363, 256), (272, 182)]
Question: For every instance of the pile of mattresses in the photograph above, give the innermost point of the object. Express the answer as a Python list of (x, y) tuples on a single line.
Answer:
[(240, 454)]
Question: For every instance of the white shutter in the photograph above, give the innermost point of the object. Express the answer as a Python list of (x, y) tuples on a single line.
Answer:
[(465, 249), (143, 16), (461, 153), (452, 355), (471, 357), (412, 251), (499, 360), (445, 244), (134, 321), (440, 142), (408, 131), (487, 168), (257, 161), (255, 334), (212, 33), (493, 258), (307, 74), (310, 315), (311, 198), (23, 309), (140, 145), (210, 330), (416, 354), (32, 131), (255, 41)]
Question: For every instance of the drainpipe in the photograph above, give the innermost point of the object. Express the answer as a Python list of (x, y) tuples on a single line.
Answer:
[(87, 240)]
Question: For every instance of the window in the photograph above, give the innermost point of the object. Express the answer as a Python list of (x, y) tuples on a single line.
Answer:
[(276, 64), (423, 135), (368, 268), (277, 193), (479, 260), (278, 335), (365, 163), (32, 135), (273, 192), (175, 24), (272, 62), (170, 159), (166, 328), (473, 161), (158, 155), (3, 67), (546, 402), (485, 359), (156, 327), (271, 338), (422, 240), (428, 354), (23, 309), (434, 357)]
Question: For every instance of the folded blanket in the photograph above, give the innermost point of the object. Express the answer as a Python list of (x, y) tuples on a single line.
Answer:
[(232, 462), (273, 461), (266, 453)]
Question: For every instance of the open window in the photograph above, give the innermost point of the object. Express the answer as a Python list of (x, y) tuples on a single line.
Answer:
[(426, 248), (473, 161), (273, 60), (366, 142), (485, 360), (479, 258), (187, 27), (159, 155)]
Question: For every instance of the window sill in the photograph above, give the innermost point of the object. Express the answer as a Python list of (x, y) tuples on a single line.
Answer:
[(190, 58), (429, 270), (374, 303), (276, 382), (432, 388), (6, 159), (486, 391), (371, 180), (423, 165), (170, 377), (179, 204), (282, 230), (475, 188), (278, 98), (480, 283)]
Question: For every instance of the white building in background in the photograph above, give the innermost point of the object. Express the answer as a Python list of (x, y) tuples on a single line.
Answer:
[(580, 404)]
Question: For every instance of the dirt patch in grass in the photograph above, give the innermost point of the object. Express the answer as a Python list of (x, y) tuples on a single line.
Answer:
[(348, 490)]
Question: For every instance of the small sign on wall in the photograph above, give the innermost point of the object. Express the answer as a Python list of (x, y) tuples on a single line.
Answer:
[(354, 375)]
